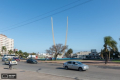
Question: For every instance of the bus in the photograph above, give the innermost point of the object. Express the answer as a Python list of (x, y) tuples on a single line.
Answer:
[(9, 56)]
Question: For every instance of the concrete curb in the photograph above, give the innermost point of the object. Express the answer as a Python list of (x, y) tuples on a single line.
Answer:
[(109, 64)]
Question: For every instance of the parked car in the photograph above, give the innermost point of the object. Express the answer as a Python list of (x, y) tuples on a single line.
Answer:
[(75, 65), (14, 62), (17, 59), (30, 60), (50, 58), (3, 59)]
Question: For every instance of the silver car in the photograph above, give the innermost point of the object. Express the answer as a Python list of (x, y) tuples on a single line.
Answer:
[(4, 59), (75, 65)]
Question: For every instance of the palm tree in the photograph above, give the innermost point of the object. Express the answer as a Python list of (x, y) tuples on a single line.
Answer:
[(20, 53), (16, 52), (10, 52), (25, 54), (109, 43), (4, 49)]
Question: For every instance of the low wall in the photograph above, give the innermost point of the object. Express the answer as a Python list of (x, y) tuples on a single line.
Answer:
[(57, 59)]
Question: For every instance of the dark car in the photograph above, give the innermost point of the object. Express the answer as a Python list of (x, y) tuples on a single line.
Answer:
[(17, 59), (31, 61)]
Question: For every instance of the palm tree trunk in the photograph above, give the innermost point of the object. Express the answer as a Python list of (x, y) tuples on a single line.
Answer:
[(106, 56), (109, 55), (101, 54)]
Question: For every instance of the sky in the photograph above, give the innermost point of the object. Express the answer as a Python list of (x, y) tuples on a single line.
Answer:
[(28, 22)]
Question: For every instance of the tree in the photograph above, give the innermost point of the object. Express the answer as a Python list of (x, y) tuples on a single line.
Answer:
[(33, 53), (56, 50), (25, 54), (20, 53), (101, 54), (68, 53), (16, 52), (4, 49), (109, 43), (10, 52)]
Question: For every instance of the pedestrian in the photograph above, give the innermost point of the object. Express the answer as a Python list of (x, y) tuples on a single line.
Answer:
[(10, 64)]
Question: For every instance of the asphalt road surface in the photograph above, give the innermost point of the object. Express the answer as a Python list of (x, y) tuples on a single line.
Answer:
[(94, 73)]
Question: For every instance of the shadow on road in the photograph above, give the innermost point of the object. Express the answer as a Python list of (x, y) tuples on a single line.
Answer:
[(109, 67), (54, 64), (65, 69), (60, 68), (6, 68), (68, 69)]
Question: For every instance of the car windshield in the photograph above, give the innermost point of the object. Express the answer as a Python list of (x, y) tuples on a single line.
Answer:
[(13, 60), (6, 60), (33, 60)]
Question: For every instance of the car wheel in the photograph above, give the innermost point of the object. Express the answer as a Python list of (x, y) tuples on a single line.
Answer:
[(66, 67), (80, 69)]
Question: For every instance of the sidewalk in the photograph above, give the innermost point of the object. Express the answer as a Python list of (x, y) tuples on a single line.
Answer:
[(30, 75)]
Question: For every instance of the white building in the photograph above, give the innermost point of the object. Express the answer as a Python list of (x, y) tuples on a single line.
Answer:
[(32, 56), (82, 55), (44, 55), (7, 42), (93, 54)]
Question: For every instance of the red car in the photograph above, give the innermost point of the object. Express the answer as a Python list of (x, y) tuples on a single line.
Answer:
[(17, 59)]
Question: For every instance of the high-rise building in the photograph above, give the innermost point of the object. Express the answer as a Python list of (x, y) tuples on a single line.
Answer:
[(7, 42)]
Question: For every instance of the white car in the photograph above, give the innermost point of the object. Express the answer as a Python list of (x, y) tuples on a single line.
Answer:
[(13, 62), (75, 65)]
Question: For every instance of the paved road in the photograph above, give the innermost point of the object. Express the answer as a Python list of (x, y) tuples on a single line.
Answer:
[(94, 73)]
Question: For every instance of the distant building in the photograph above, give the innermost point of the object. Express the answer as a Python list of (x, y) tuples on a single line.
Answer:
[(15, 50), (7, 42), (87, 55), (93, 51), (81, 55), (32, 56), (94, 54)]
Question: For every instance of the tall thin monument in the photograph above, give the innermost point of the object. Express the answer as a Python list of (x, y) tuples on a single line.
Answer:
[(65, 38), (53, 31)]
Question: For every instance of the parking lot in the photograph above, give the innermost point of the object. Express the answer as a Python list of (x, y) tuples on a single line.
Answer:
[(94, 73)]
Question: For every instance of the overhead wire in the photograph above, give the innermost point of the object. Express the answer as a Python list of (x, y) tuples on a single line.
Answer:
[(44, 13), (48, 16)]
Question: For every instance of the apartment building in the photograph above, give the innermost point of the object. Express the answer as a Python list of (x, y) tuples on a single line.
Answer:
[(7, 42)]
